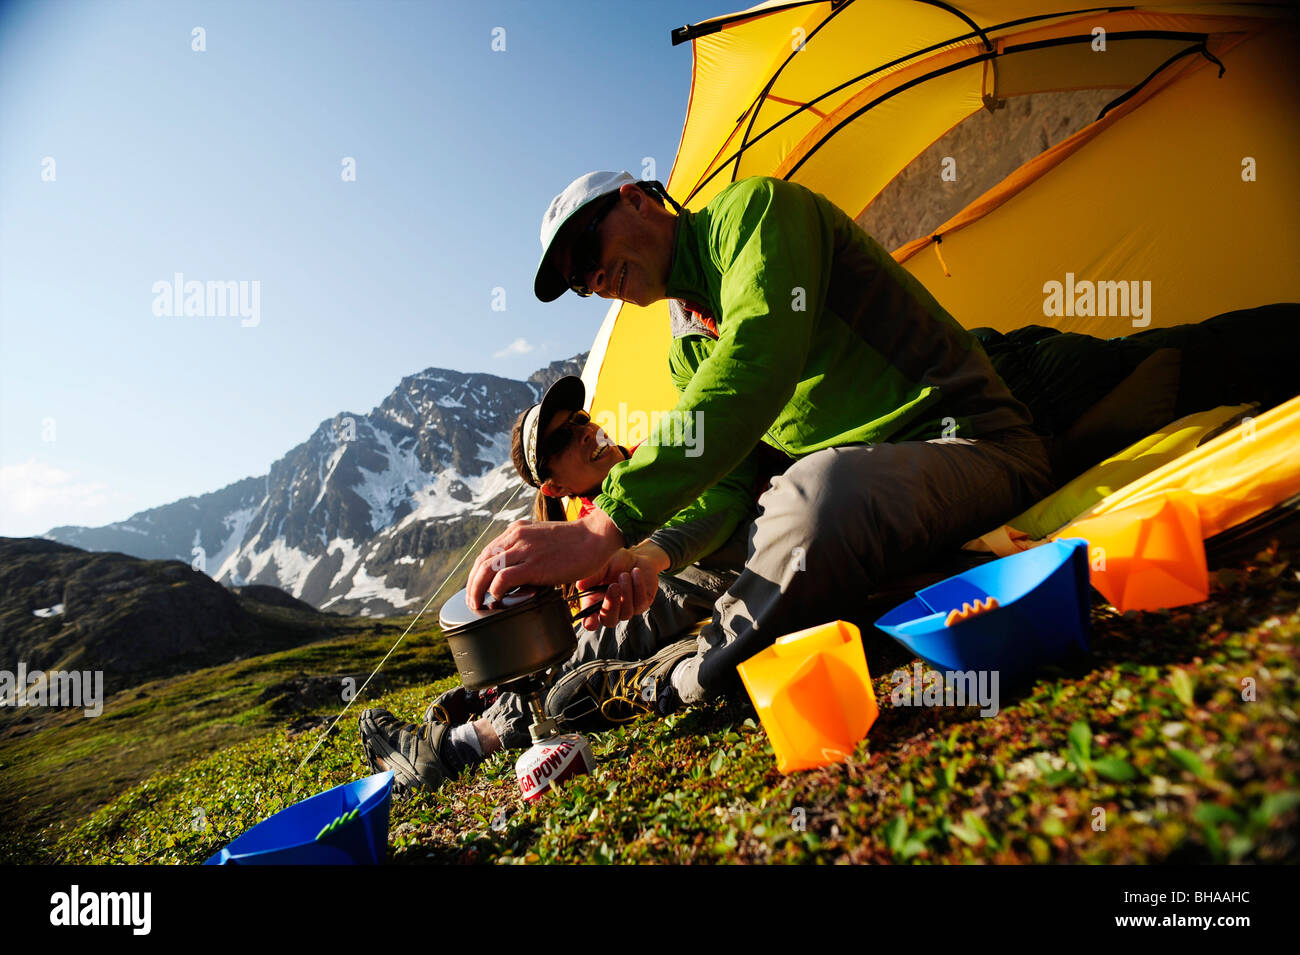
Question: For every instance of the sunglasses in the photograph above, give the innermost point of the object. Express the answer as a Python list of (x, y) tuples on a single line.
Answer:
[(555, 442), (585, 255)]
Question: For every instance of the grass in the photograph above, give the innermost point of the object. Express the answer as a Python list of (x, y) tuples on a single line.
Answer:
[(1146, 753), (59, 767)]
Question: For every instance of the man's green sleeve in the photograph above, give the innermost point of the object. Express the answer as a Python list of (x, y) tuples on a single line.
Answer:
[(707, 523)]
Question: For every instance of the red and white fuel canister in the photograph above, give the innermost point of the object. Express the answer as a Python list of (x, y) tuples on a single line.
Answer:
[(549, 762)]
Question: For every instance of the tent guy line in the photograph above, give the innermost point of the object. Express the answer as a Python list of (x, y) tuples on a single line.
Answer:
[(486, 527)]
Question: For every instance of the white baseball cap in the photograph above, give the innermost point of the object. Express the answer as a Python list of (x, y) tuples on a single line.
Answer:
[(568, 394), (550, 284)]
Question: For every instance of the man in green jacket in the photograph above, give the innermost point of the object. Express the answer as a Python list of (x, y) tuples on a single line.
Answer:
[(898, 438)]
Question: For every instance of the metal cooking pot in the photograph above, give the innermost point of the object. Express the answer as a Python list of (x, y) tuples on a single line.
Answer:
[(530, 630)]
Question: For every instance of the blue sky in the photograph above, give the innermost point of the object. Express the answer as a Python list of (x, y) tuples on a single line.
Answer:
[(126, 157)]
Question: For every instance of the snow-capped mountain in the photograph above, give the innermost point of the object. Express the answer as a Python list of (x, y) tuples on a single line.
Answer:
[(370, 513)]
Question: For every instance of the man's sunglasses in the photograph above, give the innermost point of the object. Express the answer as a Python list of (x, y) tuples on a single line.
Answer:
[(585, 256), (555, 442)]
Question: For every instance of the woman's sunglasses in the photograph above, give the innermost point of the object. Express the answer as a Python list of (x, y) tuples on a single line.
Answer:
[(555, 442)]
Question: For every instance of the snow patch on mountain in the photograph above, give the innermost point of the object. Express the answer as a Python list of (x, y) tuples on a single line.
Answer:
[(385, 491), (446, 496), (365, 587), (236, 523), (288, 567), (327, 472), (351, 556)]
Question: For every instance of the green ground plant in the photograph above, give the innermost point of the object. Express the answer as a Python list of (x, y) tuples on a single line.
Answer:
[(1175, 742)]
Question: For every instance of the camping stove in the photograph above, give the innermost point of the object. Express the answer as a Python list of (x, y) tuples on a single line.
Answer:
[(511, 645), (554, 756)]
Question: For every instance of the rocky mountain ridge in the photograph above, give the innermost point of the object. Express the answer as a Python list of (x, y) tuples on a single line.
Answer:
[(369, 513)]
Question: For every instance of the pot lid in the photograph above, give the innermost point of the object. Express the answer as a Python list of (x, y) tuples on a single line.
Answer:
[(456, 612)]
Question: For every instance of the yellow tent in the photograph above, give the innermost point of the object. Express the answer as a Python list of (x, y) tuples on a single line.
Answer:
[(1185, 181)]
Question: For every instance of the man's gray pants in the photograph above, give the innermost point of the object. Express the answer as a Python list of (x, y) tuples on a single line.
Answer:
[(840, 521), (681, 603)]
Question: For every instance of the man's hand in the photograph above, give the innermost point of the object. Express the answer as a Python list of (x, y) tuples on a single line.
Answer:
[(633, 578), (543, 552)]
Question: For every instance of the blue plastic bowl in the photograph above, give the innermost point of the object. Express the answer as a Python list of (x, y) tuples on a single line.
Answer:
[(1043, 613), (289, 837)]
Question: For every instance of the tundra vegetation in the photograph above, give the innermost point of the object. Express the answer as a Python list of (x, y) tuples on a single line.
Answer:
[(1176, 742)]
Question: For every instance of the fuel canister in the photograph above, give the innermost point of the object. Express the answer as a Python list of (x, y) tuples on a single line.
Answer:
[(549, 762)]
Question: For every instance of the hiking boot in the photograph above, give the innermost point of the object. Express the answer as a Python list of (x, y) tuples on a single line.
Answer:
[(410, 751), (610, 692), (459, 705)]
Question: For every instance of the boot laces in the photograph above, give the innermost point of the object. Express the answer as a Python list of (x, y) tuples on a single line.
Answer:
[(624, 688)]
